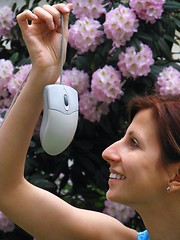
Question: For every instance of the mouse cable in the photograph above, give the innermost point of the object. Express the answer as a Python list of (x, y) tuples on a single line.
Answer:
[(62, 47), (61, 69)]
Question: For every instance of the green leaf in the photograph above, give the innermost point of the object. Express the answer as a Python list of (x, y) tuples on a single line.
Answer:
[(144, 37), (155, 70), (27, 2), (14, 58), (156, 50), (172, 6), (164, 48), (170, 27), (14, 6), (170, 39), (177, 21)]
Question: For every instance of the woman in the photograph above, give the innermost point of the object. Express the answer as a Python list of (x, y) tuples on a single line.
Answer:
[(144, 164)]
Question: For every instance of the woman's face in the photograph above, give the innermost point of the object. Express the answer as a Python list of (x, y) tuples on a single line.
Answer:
[(136, 171)]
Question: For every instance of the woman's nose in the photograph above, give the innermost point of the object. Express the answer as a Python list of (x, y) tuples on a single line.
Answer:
[(111, 153)]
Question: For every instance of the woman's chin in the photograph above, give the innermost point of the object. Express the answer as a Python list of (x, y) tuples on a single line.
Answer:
[(110, 196)]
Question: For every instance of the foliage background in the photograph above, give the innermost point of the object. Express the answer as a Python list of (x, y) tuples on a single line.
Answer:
[(79, 175)]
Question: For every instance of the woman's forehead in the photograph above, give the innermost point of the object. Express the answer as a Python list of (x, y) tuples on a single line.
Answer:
[(145, 124)]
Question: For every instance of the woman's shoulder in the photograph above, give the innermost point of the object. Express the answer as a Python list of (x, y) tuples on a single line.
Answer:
[(143, 235)]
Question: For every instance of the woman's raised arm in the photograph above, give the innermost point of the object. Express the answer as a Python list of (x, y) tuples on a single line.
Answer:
[(43, 40)]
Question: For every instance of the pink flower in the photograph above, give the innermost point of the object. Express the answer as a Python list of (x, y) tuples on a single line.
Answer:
[(6, 72), (148, 10), (5, 224), (120, 25), (85, 35), (106, 84), (90, 9), (168, 81), (90, 108), (121, 212), (6, 21), (76, 79), (18, 78), (134, 64)]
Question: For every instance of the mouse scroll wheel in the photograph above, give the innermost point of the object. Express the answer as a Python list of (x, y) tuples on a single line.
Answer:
[(66, 100)]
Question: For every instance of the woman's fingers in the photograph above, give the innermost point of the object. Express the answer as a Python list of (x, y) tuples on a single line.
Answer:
[(23, 18), (51, 15), (54, 13), (45, 16)]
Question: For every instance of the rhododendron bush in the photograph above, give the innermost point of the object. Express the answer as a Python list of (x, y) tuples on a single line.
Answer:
[(116, 50)]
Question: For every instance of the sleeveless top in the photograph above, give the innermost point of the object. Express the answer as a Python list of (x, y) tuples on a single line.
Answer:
[(143, 235)]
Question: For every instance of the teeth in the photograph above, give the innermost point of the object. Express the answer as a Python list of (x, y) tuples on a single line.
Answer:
[(116, 176)]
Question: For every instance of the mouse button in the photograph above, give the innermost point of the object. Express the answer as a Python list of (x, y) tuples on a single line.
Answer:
[(66, 102), (55, 98), (73, 99)]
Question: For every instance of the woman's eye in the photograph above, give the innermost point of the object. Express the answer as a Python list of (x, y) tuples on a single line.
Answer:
[(134, 143)]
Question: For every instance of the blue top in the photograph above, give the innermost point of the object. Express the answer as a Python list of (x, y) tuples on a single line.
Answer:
[(143, 235)]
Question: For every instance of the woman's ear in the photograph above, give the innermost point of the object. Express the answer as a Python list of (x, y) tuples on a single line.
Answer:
[(174, 183)]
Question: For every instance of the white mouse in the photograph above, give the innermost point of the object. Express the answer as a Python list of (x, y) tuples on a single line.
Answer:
[(60, 118)]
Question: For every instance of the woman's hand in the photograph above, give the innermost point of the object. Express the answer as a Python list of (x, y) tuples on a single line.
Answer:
[(41, 30)]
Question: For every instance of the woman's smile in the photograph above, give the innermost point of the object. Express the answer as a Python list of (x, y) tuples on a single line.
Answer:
[(116, 176)]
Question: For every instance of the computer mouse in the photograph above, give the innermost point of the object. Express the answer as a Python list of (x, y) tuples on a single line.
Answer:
[(60, 118)]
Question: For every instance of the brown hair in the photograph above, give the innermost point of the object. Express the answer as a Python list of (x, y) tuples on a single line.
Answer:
[(166, 110)]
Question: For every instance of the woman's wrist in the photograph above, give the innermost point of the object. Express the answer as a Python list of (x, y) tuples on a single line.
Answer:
[(43, 76)]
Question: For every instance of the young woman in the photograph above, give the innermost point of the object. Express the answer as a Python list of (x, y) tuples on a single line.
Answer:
[(144, 164)]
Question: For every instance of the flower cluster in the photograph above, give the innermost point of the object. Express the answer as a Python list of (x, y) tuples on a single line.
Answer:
[(10, 82), (18, 78), (148, 10), (106, 84), (90, 9), (134, 64), (6, 21), (76, 79), (168, 81), (120, 25), (121, 212), (6, 72), (85, 35), (90, 108), (5, 224)]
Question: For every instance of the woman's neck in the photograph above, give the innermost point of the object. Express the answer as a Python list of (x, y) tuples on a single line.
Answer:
[(162, 223)]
